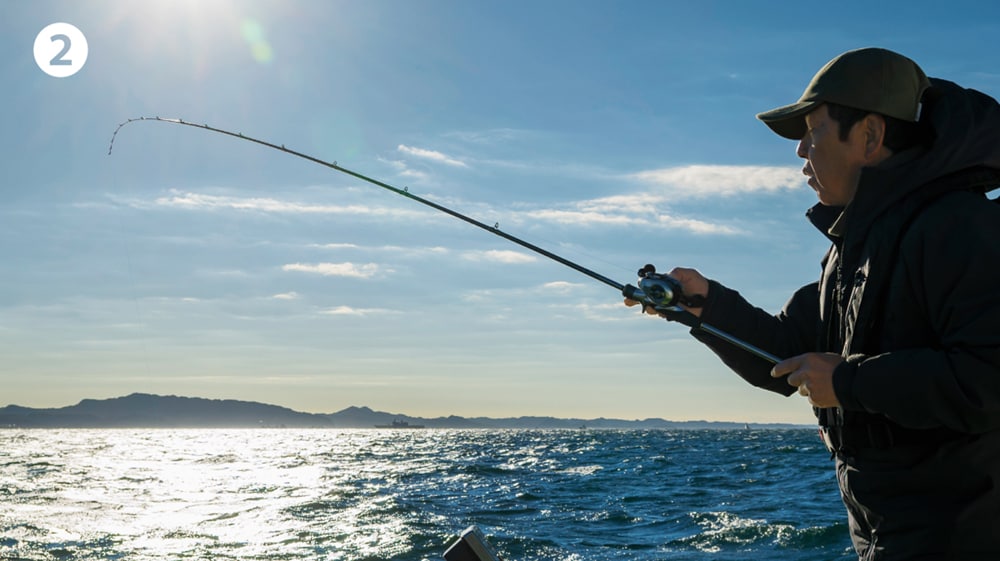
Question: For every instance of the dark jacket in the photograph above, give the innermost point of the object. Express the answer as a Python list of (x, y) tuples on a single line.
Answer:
[(910, 295)]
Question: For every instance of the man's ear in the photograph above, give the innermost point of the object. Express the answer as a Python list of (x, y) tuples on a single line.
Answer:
[(873, 126)]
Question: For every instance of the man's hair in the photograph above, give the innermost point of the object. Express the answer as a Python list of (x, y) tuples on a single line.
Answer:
[(899, 134)]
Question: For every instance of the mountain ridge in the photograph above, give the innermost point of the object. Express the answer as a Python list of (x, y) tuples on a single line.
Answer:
[(142, 410)]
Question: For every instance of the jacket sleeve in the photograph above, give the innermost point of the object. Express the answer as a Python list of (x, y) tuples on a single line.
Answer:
[(952, 256), (791, 332)]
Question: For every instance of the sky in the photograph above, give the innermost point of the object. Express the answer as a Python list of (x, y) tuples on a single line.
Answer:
[(614, 134)]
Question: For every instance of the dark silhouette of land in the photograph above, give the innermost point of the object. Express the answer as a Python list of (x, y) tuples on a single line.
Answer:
[(155, 411)]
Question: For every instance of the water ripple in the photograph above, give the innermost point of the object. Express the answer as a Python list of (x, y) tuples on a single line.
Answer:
[(355, 495)]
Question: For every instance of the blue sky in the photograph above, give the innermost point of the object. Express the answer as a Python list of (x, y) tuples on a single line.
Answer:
[(612, 133)]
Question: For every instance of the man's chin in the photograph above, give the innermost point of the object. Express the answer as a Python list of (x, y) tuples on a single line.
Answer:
[(824, 198)]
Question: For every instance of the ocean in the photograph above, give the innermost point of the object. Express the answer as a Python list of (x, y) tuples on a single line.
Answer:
[(353, 495)]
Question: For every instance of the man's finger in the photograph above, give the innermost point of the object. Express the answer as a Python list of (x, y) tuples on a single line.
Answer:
[(799, 380), (786, 367)]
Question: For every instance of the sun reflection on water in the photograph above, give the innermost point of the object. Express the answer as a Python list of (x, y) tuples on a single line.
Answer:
[(366, 495), (185, 492)]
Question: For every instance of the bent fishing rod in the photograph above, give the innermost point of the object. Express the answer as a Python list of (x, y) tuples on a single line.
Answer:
[(661, 292)]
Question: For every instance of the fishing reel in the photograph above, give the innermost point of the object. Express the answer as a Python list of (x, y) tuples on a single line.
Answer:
[(663, 293)]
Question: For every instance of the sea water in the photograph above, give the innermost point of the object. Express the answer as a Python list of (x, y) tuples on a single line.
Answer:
[(352, 495)]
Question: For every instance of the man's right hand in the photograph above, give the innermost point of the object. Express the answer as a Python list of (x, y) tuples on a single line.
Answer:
[(692, 284)]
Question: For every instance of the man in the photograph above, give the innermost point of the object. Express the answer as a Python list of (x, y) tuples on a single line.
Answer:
[(897, 346)]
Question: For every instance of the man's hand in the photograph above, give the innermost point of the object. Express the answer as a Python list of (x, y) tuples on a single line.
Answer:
[(812, 374), (692, 284)]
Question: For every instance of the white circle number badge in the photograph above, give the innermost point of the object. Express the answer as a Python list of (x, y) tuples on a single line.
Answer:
[(60, 50)]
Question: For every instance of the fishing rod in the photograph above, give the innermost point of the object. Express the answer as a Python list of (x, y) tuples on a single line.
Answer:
[(661, 292)]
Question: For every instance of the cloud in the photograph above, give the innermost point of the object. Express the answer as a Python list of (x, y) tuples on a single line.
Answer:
[(336, 246), (286, 296), (699, 181), (432, 155), (695, 226), (606, 312), (587, 217), (499, 256), (561, 287), (403, 170), (351, 270), (407, 251), (648, 208), (201, 201), (358, 312), (673, 185), (604, 212)]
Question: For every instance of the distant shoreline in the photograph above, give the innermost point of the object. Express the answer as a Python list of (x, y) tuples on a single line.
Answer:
[(760, 427), (138, 411)]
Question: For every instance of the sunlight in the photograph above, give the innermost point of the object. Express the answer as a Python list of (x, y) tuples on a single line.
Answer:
[(201, 35)]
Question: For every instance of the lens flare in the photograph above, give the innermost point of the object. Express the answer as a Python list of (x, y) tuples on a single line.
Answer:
[(253, 34)]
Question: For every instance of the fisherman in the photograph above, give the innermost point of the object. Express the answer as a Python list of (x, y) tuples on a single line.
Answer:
[(897, 346)]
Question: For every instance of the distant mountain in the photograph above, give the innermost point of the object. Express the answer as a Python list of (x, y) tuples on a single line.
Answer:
[(154, 411), (140, 410)]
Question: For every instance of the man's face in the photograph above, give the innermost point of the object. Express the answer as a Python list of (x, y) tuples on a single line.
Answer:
[(833, 165)]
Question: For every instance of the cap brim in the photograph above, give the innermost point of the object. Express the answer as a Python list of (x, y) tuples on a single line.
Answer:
[(789, 121)]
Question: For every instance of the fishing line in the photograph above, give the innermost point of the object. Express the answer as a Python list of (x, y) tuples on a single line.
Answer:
[(661, 292)]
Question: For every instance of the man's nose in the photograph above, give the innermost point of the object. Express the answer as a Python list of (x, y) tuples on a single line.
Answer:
[(802, 150)]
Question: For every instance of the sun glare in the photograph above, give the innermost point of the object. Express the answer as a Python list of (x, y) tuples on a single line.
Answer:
[(195, 32)]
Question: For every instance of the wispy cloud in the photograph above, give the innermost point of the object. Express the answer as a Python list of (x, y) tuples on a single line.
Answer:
[(432, 155), (202, 201), (407, 251), (653, 207), (358, 312), (587, 217), (699, 181), (561, 287), (606, 212), (336, 246), (499, 256), (671, 186), (403, 170), (286, 296), (695, 226), (606, 312), (352, 270)]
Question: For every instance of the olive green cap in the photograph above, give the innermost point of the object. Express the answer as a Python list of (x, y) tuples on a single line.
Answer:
[(871, 79)]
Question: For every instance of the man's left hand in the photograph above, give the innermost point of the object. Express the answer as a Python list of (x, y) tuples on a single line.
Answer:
[(812, 374)]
